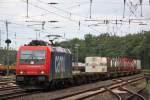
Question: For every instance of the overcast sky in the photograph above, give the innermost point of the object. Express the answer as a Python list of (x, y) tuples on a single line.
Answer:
[(72, 16)]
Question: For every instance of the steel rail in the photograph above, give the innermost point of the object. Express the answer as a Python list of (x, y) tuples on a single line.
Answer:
[(136, 94), (98, 90), (6, 82), (8, 88), (110, 87), (115, 94), (16, 93)]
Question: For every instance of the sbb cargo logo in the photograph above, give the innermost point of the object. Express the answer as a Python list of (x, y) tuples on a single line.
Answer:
[(59, 64)]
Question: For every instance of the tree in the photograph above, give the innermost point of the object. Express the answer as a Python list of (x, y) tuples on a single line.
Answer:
[(131, 45)]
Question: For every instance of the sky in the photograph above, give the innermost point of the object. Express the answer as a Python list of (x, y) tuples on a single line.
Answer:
[(72, 19)]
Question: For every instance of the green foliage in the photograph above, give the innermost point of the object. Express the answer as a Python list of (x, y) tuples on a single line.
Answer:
[(12, 56), (131, 45)]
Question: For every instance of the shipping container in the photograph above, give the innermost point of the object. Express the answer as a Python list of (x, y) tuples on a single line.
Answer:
[(96, 64), (111, 64)]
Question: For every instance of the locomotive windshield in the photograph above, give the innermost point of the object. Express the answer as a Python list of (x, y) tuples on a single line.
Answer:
[(32, 56)]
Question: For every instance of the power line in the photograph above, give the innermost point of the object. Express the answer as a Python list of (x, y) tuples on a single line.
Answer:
[(69, 18), (69, 13), (60, 15)]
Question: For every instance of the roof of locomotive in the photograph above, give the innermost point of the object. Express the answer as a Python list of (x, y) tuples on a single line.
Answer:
[(60, 49), (52, 48), (42, 45)]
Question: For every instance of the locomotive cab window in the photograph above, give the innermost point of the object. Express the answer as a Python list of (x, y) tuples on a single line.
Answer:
[(32, 57)]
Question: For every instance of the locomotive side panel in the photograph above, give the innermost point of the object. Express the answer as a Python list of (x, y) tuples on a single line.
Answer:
[(61, 64)]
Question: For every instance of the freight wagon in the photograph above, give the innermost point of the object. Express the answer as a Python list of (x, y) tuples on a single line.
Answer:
[(112, 65)]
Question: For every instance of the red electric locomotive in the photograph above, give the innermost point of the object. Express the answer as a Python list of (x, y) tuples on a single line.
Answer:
[(42, 65)]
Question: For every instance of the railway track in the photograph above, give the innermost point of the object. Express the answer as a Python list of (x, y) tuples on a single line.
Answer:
[(4, 79), (7, 84), (128, 94), (82, 95), (14, 92), (137, 95), (10, 92), (6, 94), (8, 89)]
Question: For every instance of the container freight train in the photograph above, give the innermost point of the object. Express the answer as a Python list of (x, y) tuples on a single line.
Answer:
[(49, 66)]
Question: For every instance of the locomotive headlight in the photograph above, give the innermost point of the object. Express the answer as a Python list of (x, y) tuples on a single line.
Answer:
[(42, 72), (21, 72)]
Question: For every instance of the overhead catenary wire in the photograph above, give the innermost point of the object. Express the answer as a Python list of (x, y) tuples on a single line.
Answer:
[(65, 11), (61, 16), (70, 13), (77, 21), (20, 25), (40, 0)]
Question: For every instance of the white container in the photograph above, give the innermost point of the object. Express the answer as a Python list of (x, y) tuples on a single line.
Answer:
[(96, 64)]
